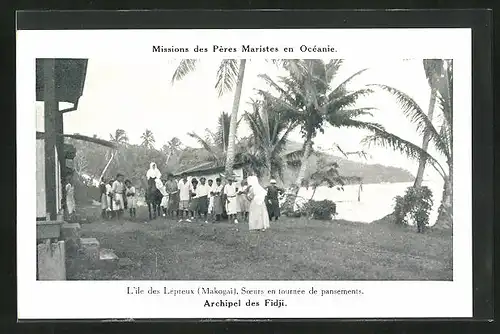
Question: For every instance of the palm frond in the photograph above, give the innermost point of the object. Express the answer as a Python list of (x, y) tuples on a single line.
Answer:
[(185, 67), (227, 74), (215, 155), (416, 115), (398, 144)]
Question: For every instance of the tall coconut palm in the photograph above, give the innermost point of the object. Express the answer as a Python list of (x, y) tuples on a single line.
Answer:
[(148, 139), (308, 97), (441, 137), (229, 75), (216, 143), (434, 71), (270, 131), (120, 137)]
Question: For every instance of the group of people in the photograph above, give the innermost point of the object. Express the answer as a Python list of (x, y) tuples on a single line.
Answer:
[(194, 199), (117, 196)]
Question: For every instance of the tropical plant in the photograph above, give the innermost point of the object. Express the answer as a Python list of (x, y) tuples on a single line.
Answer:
[(307, 96), (327, 173), (270, 130), (433, 69), (321, 210), (148, 139), (441, 137), (414, 207), (229, 75), (120, 137)]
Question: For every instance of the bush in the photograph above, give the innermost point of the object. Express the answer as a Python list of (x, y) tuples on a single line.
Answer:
[(414, 207), (322, 210)]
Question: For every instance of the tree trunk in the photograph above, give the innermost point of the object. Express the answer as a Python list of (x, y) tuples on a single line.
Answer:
[(314, 193), (234, 120), (294, 190), (445, 214), (425, 142)]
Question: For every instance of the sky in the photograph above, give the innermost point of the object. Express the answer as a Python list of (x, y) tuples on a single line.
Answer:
[(138, 95)]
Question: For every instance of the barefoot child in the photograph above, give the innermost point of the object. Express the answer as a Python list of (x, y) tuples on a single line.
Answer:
[(131, 198)]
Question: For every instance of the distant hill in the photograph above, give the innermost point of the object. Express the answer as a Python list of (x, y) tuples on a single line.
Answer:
[(371, 173)]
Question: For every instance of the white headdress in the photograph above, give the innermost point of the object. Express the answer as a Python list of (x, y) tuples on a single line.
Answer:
[(153, 172)]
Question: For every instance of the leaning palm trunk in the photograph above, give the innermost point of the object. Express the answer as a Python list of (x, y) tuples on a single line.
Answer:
[(291, 196), (107, 165), (425, 142), (234, 120)]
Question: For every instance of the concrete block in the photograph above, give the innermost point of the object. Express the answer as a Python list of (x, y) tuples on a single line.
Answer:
[(70, 231), (51, 259), (50, 229), (108, 259), (89, 247)]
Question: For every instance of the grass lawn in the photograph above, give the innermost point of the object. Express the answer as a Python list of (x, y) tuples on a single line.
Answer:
[(293, 249)]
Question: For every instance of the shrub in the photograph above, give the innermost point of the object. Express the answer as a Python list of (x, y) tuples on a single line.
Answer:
[(414, 207), (322, 210)]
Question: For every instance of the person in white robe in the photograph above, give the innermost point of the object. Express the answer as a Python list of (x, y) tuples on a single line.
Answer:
[(258, 218), (230, 194), (153, 172), (70, 197)]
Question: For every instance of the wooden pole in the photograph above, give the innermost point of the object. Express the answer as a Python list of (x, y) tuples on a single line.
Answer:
[(50, 109)]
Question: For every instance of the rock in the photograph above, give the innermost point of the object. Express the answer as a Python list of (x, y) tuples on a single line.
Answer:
[(125, 262), (108, 259), (90, 250)]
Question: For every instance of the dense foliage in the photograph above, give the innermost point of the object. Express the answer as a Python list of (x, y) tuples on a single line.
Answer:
[(414, 207)]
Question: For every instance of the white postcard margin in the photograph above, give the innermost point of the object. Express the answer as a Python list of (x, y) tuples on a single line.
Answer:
[(109, 299)]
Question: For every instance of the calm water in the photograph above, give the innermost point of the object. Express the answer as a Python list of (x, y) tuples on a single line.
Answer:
[(377, 200)]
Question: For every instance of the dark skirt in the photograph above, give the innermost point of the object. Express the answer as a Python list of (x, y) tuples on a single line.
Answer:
[(193, 204), (202, 204), (218, 207), (273, 208)]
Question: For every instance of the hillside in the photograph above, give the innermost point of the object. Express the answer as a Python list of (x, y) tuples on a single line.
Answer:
[(371, 173), (133, 161)]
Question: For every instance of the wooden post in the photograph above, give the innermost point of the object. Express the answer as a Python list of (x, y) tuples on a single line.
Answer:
[(51, 108)]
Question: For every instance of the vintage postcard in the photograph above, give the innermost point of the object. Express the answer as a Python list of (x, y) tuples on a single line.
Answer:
[(244, 173)]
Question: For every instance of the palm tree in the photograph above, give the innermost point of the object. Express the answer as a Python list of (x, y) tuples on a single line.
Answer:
[(148, 139), (120, 137), (270, 130), (229, 74), (440, 136), (433, 71), (307, 96), (216, 143)]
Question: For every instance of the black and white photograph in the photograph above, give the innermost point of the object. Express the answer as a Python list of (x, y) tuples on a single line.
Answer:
[(252, 180), (234, 169)]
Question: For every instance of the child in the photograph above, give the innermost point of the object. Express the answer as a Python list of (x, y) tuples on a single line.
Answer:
[(243, 201), (131, 198), (193, 204), (211, 188)]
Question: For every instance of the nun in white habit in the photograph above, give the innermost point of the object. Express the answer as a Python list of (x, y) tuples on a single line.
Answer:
[(258, 218)]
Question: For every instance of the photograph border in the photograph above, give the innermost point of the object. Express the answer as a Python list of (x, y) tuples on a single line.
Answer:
[(478, 20)]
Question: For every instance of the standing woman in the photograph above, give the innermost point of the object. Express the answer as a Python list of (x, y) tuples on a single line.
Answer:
[(258, 218), (70, 197), (217, 194)]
